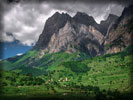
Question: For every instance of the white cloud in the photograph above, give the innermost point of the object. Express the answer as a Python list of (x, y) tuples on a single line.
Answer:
[(19, 54), (26, 21)]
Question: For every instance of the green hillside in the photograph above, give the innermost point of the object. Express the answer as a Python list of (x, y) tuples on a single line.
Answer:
[(30, 63), (65, 75)]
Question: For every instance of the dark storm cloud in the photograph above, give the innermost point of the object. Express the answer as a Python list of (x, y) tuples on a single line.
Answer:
[(25, 20), (97, 10)]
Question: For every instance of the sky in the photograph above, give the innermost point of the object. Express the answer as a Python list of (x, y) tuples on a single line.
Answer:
[(25, 20), (14, 48)]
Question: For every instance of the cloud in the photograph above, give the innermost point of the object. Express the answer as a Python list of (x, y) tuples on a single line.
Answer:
[(19, 54), (7, 37), (26, 20), (99, 11)]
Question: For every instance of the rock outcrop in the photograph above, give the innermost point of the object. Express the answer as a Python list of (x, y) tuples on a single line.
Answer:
[(105, 24), (52, 25), (120, 34), (85, 38)]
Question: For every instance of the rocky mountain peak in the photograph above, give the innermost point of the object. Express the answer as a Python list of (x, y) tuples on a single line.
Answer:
[(120, 33), (60, 16), (63, 33), (104, 24), (111, 17), (82, 14), (52, 25), (79, 33), (83, 18), (127, 10)]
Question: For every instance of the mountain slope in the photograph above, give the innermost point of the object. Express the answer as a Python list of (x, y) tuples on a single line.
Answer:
[(120, 34), (108, 72), (32, 63)]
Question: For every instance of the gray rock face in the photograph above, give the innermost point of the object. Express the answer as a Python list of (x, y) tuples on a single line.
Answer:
[(63, 33), (86, 39), (85, 19), (120, 33), (105, 24), (82, 33), (52, 25), (75, 37)]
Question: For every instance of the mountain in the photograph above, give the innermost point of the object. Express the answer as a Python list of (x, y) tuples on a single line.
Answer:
[(104, 25), (71, 34), (120, 33), (77, 38)]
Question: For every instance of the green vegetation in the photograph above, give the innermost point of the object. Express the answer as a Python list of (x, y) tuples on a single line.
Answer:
[(63, 75), (77, 67), (31, 63)]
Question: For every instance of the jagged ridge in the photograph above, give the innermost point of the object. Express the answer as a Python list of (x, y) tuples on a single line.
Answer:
[(79, 33)]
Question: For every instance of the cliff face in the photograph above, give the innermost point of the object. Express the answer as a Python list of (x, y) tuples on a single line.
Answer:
[(63, 33), (105, 24), (52, 25), (120, 33), (79, 37), (81, 33), (85, 19)]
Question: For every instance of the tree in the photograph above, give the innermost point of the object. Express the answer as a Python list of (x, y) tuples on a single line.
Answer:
[(22, 83)]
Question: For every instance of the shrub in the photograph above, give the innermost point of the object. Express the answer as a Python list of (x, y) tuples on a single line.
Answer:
[(22, 84)]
